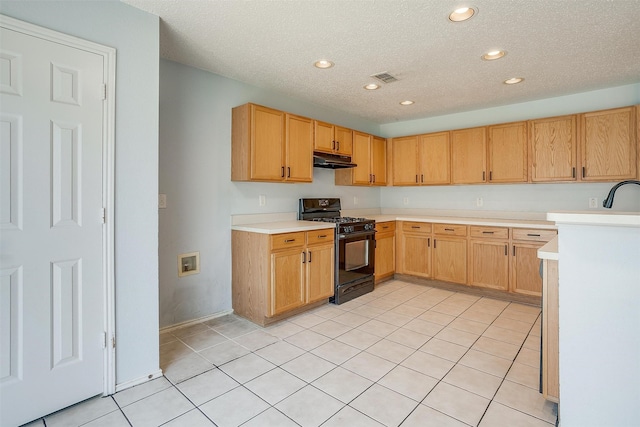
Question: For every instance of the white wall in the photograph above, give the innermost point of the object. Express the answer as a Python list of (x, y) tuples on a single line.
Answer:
[(599, 317), (513, 197), (195, 174), (135, 36)]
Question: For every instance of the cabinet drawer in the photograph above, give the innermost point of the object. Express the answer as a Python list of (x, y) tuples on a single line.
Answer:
[(320, 236), (450, 229), (533, 234), (386, 227), (287, 240), (416, 227), (488, 232)]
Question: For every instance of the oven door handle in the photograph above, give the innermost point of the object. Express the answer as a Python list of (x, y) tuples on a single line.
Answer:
[(359, 234)]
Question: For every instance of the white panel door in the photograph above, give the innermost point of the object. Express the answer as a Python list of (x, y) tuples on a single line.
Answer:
[(51, 260)]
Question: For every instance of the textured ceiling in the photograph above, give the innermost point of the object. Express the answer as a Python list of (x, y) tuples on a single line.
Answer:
[(559, 46)]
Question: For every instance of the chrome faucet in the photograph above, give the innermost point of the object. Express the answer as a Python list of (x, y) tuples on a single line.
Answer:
[(608, 202)]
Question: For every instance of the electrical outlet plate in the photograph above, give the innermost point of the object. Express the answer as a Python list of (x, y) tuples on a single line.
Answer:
[(262, 200), (593, 202), (479, 202), (405, 200), (162, 201), (355, 200)]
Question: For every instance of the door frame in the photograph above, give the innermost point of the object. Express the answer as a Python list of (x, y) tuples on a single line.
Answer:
[(108, 177)]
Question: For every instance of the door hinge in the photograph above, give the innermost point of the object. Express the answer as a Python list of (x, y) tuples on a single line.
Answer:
[(104, 340), (103, 91), (104, 215), (113, 342)]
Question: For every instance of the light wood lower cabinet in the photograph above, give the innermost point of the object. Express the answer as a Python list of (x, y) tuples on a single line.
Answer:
[(525, 265), (273, 275), (489, 257), (550, 333), (414, 249), (450, 252), (385, 265)]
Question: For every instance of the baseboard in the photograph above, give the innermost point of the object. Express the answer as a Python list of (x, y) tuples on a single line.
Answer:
[(194, 321), (138, 381)]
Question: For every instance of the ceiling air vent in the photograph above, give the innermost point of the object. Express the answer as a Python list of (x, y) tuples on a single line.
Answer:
[(385, 77)]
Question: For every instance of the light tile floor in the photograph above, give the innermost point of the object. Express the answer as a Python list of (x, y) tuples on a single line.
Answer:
[(403, 355)]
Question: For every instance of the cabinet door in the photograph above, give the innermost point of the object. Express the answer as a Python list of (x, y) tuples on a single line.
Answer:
[(344, 141), (323, 140), (379, 160), (468, 155), (607, 145), (525, 269), (320, 272), (267, 144), (508, 152), (434, 158), (299, 143), (416, 254), (553, 149), (362, 157), (489, 264), (405, 151), (287, 281), (385, 256), (450, 259)]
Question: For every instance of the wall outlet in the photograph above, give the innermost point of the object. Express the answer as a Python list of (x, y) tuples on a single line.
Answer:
[(355, 200), (405, 201), (479, 202), (593, 202), (162, 201), (262, 200)]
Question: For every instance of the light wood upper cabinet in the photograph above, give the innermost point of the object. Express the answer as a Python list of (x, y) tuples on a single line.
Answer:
[(434, 153), (333, 139), (370, 154), (299, 152), (421, 159), (608, 145), (552, 146), (270, 145), (469, 155), (507, 152), (405, 163), (379, 160)]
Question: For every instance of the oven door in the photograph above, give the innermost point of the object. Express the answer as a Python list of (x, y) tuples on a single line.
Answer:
[(356, 256)]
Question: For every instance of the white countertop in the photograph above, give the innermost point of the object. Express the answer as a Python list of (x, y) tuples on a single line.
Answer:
[(277, 227), (623, 219), (491, 222), (550, 250)]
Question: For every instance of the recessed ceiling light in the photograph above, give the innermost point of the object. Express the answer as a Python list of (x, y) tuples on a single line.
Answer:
[(514, 80), (372, 86), (407, 102), (462, 14), (493, 54), (323, 63)]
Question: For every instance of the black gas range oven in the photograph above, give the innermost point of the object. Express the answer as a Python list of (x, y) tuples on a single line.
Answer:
[(355, 247)]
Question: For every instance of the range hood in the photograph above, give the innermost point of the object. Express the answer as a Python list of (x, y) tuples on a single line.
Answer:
[(331, 161)]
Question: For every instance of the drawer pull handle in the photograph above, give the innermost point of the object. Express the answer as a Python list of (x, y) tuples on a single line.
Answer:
[(533, 235), (449, 229), (322, 236), (385, 227), (487, 232), (289, 240), (415, 226)]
